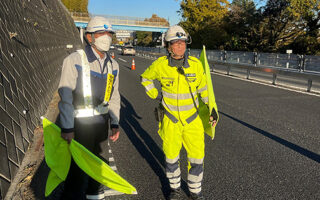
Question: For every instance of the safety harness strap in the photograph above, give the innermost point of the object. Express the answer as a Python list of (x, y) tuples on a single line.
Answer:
[(175, 120), (192, 117), (171, 117)]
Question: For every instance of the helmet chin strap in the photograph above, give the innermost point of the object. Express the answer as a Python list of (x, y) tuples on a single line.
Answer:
[(92, 39)]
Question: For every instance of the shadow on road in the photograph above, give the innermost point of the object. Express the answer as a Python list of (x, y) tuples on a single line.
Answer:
[(145, 145), (286, 143)]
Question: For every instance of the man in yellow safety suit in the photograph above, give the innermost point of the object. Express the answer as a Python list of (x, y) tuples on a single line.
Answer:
[(182, 81)]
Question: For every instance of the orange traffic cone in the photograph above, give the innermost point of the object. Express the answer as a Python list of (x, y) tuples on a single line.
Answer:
[(112, 55), (133, 65)]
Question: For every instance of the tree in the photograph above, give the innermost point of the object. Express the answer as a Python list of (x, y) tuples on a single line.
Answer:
[(241, 24), (156, 18), (114, 39), (144, 38), (76, 5), (307, 11), (203, 20), (290, 23)]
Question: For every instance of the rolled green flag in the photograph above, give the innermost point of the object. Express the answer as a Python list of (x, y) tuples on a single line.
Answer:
[(58, 157), (204, 112)]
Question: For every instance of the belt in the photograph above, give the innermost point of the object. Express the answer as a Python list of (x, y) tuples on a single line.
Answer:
[(175, 120), (90, 112)]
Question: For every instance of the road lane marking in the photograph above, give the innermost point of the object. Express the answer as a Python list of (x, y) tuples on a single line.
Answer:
[(122, 60), (112, 164)]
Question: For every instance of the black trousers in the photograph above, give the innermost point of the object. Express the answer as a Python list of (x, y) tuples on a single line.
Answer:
[(91, 132)]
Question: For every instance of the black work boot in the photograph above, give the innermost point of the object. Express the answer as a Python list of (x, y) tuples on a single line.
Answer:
[(175, 194), (197, 196)]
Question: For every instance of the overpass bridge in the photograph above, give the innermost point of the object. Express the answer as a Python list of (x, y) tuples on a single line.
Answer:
[(123, 23)]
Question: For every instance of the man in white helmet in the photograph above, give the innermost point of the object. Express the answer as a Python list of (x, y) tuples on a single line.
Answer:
[(182, 82), (90, 100)]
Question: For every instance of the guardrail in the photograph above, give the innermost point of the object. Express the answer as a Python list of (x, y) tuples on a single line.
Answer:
[(300, 66)]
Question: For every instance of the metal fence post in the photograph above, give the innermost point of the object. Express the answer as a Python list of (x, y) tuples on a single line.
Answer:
[(300, 60), (255, 57), (309, 85), (274, 79), (248, 73), (303, 62)]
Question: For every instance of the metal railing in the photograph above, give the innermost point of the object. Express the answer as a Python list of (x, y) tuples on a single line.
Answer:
[(300, 66), (122, 20), (301, 63)]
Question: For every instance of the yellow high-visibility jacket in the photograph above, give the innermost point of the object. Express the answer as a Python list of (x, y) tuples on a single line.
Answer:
[(177, 99)]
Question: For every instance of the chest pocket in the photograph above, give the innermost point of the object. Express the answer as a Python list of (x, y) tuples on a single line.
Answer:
[(167, 82)]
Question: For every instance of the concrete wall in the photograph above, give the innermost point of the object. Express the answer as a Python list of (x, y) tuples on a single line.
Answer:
[(33, 39)]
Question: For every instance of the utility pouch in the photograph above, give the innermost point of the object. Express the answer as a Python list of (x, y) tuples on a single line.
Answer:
[(159, 112)]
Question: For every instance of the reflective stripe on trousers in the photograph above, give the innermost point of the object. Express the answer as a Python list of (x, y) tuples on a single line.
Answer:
[(173, 172), (195, 175)]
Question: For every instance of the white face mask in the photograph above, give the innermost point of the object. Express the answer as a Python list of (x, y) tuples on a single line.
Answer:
[(103, 43)]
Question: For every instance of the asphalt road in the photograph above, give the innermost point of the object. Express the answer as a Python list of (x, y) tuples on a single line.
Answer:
[(267, 142)]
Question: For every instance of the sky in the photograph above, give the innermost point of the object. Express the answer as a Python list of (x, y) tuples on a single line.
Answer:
[(139, 8)]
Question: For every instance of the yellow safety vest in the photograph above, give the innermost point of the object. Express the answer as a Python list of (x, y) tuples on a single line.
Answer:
[(177, 98)]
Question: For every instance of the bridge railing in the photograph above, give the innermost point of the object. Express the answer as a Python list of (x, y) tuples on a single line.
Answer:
[(294, 65), (122, 20)]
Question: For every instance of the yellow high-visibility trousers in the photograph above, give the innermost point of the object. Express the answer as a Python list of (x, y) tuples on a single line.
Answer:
[(191, 136)]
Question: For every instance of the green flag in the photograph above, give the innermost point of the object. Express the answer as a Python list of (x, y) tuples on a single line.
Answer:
[(204, 112), (58, 157)]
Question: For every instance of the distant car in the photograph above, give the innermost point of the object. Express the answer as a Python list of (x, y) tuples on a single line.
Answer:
[(111, 47), (128, 50)]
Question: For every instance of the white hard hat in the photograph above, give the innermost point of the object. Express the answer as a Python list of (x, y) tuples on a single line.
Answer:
[(97, 24), (175, 33)]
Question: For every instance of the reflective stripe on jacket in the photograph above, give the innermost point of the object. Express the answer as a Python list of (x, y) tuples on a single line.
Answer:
[(177, 99), (71, 87)]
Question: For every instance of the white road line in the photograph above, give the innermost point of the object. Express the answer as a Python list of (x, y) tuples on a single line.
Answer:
[(122, 60), (266, 84), (111, 192), (111, 159), (114, 168)]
